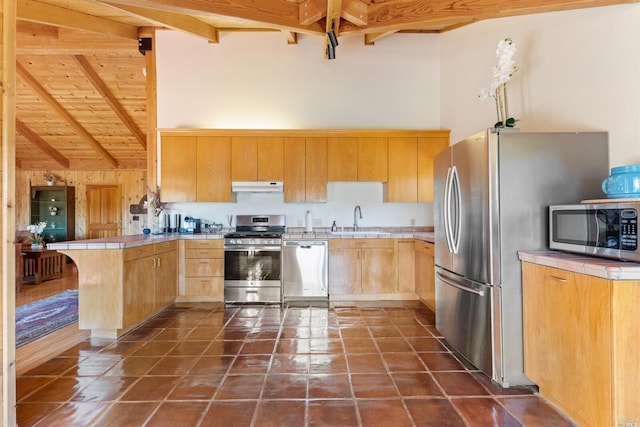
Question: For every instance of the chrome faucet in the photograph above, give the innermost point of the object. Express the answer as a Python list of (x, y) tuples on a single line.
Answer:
[(355, 218)]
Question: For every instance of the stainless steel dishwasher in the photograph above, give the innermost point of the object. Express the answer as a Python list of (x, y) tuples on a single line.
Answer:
[(305, 269)]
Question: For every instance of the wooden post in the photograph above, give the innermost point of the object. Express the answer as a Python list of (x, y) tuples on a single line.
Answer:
[(8, 76)]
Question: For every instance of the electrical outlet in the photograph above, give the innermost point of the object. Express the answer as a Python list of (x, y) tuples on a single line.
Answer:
[(413, 222), (317, 222), (299, 222)]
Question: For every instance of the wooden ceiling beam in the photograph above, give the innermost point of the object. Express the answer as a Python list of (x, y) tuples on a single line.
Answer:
[(179, 22), (312, 11), (40, 39), (292, 38), (399, 15), (371, 38), (113, 102), (46, 97), (355, 11), (280, 14), (43, 13), (43, 145)]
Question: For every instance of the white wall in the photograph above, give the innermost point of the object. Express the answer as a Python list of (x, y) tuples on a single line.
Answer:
[(579, 70), (256, 80)]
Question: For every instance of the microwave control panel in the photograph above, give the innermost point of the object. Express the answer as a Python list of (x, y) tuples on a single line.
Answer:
[(629, 230)]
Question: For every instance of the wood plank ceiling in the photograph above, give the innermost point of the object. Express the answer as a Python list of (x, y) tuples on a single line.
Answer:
[(81, 89)]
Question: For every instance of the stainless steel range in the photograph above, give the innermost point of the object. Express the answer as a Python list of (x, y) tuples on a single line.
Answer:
[(253, 259)]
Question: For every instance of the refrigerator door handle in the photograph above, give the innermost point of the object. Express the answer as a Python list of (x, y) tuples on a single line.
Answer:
[(458, 286), (447, 210), (455, 234)]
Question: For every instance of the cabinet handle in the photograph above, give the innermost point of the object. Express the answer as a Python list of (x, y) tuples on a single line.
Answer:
[(558, 279), (154, 262), (158, 262)]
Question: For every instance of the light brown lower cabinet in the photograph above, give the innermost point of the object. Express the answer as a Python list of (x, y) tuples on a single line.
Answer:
[(362, 266), (149, 281), (425, 273), (203, 270), (582, 343)]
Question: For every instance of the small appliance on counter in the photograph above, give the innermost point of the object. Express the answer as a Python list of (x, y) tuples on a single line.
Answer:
[(602, 228), (190, 225)]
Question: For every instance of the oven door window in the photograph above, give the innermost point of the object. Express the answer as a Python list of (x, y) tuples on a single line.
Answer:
[(252, 264)]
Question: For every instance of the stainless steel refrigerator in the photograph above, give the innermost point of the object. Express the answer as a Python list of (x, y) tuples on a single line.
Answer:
[(492, 192)]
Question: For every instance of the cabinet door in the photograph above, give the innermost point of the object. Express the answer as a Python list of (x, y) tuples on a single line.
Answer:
[(402, 185), (406, 262), (342, 163), (379, 271), (138, 290), (316, 170), (244, 158), (373, 159), (270, 159), (166, 276), (567, 340), (427, 149), (178, 174), (345, 274), (425, 273), (294, 169), (214, 169)]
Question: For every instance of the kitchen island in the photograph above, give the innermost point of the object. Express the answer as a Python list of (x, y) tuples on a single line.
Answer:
[(581, 329)]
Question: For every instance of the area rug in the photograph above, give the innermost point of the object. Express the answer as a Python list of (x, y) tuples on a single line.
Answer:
[(39, 318)]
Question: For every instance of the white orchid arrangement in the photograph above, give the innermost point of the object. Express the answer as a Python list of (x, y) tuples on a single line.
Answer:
[(37, 229), (502, 73)]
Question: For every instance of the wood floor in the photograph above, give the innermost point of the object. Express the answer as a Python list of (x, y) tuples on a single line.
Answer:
[(39, 351), (32, 293)]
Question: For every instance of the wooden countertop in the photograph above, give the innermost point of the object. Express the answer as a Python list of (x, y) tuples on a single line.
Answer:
[(591, 266), (123, 242)]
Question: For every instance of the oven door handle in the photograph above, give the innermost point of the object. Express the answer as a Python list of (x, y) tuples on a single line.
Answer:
[(252, 248)]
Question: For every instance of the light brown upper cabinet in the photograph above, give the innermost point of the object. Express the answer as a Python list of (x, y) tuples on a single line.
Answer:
[(305, 169), (305, 160), (270, 159), (178, 174), (411, 168), (342, 159), (402, 185), (244, 158), (373, 159), (256, 158), (195, 169), (213, 167)]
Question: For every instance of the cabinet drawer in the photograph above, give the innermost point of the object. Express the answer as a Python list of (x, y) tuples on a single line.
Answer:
[(424, 247), (137, 252), (204, 244), (204, 267), (204, 253), (205, 286), (360, 243), (165, 246)]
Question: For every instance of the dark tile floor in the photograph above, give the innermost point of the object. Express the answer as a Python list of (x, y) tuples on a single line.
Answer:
[(345, 364)]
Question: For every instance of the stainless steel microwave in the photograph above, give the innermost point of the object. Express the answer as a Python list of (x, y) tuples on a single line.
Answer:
[(607, 230)]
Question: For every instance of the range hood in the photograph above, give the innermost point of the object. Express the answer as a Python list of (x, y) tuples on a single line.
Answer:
[(257, 186)]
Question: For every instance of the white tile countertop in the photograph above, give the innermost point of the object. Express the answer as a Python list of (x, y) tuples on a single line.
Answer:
[(591, 266), (123, 242)]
